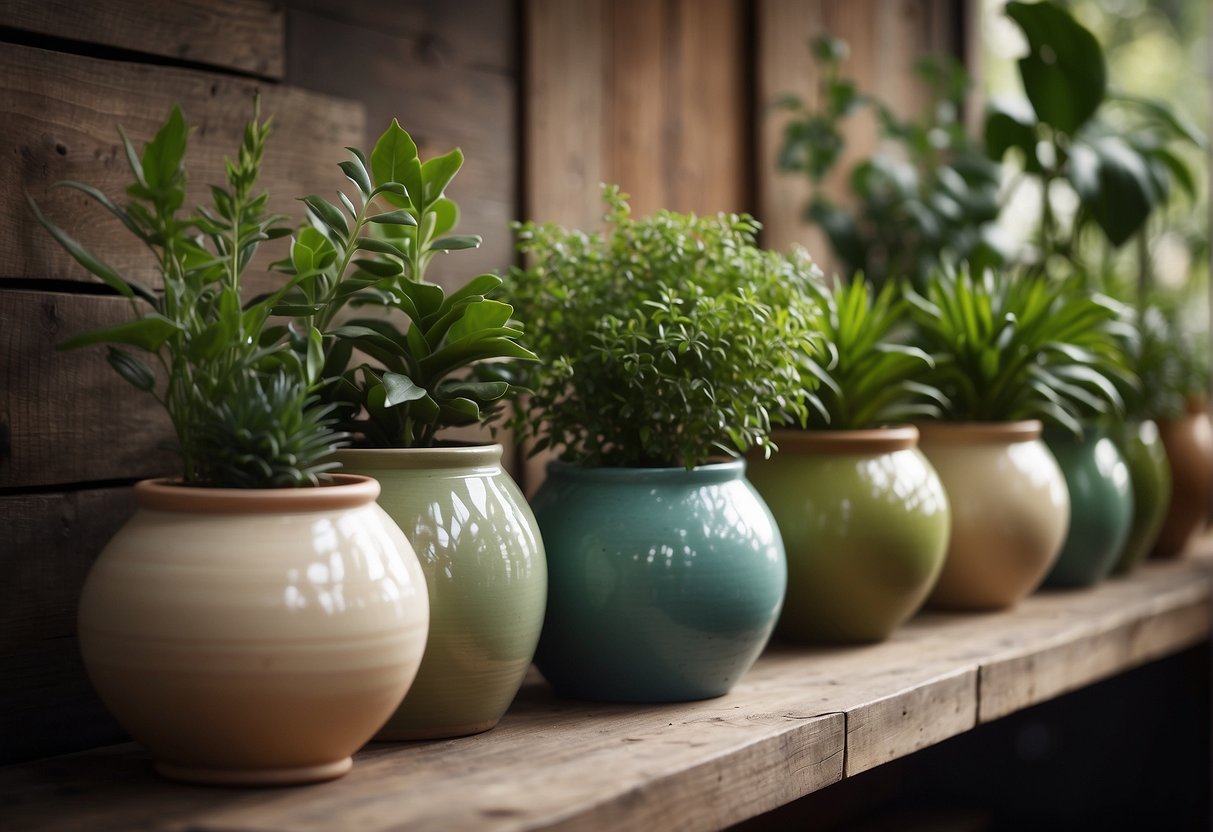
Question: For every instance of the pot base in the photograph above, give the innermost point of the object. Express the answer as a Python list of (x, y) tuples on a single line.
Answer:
[(450, 732), (257, 776)]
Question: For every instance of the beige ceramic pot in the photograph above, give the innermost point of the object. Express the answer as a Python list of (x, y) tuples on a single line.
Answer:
[(254, 637), (1010, 511), (1189, 444)]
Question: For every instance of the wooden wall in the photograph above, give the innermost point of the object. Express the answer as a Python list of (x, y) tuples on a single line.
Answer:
[(547, 98)]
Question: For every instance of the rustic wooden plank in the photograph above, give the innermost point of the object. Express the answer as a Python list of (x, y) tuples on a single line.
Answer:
[(61, 111), (244, 35), (448, 72), (67, 416), (641, 140)]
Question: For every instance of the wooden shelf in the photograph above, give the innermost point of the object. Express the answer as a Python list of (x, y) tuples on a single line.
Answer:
[(801, 719)]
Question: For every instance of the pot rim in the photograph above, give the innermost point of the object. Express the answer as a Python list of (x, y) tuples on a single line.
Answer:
[(979, 433), (862, 441), (724, 470), (345, 491), (414, 459)]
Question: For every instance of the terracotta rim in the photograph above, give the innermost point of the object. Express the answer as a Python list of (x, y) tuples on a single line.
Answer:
[(979, 433), (873, 441), (345, 491), (413, 459)]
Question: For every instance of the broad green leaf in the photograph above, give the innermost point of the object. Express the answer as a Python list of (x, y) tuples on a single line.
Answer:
[(377, 246), (394, 218), (1009, 126), (1063, 73), (315, 355), (426, 297), (481, 391), (148, 333), (311, 251), (438, 172), (479, 316), (394, 159), (356, 173), (456, 243), (400, 389), (131, 369), (446, 215), (328, 213), (1124, 194), (164, 155)]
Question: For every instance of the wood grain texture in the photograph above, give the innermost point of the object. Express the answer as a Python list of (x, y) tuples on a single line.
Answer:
[(244, 35), (885, 38), (67, 417), (556, 764), (61, 111)]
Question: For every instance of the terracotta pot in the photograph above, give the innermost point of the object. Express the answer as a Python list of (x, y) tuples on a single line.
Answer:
[(1101, 506), (254, 637), (484, 566), (665, 584), (865, 524), (1189, 444), (1010, 511), (1150, 473)]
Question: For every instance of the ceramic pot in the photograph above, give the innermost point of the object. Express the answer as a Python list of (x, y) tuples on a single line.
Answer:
[(664, 583), (1101, 506), (865, 523), (483, 560), (1150, 473), (1189, 444), (1010, 510), (254, 637)]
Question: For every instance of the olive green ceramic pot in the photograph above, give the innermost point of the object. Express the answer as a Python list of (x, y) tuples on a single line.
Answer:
[(484, 564), (1101, 506), (865, 523), (1143, 451), (1010, 510), (664, 583), (1189, 443)]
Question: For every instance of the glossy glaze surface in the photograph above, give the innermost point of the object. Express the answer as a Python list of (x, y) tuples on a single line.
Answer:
[(1141, 446), (1010, 511), (865, 524), (664, 584), (484, 565), (1189, 444), (1101, 506), (258, 644)]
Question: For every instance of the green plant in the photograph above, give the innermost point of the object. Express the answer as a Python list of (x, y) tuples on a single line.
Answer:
[(871, 379), (938, 193), (242, 403), (1020, 348), (665, 339), (375, 253)]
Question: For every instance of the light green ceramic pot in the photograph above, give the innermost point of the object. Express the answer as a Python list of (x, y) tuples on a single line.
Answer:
[(865, 523), (1150, 473), (484, 564)]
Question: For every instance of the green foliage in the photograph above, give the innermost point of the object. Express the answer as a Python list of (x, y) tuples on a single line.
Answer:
[(1023, 348), (1170, 362), (938, 193), (374, 251), (871, 380), (665, 339), (242, 403)]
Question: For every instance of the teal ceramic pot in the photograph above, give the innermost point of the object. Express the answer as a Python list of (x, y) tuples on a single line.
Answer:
[(484, 564), (1150, 473), (1101, 506), (664, 584), (865, 522)]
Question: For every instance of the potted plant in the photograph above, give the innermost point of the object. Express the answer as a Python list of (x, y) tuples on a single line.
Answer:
[(1008, 353), (257, 620), (669, 344), (396, 382), (864, 517)]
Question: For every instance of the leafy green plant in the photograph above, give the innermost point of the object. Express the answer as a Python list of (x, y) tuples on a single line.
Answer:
[(242, 403), (374, 252), (871, 379), (1023, 348), (1171, 364), (665, 339), (937, 193)]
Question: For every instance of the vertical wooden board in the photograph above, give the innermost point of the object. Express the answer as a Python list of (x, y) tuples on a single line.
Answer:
[(61, 116), (448, 73), (244, 35), (67, 417)]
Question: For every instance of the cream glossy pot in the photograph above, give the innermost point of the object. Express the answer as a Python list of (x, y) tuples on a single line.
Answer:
[(1010, 510), (254, 637)]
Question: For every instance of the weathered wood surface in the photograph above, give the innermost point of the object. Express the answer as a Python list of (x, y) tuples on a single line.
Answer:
[(67, 417), (60, 116), (784, 731), (885, 39), (244, 35)]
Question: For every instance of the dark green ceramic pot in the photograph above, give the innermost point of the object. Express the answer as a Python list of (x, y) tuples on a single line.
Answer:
[(1101, 506), (865, 523), (1150, 473), (663, 584)]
